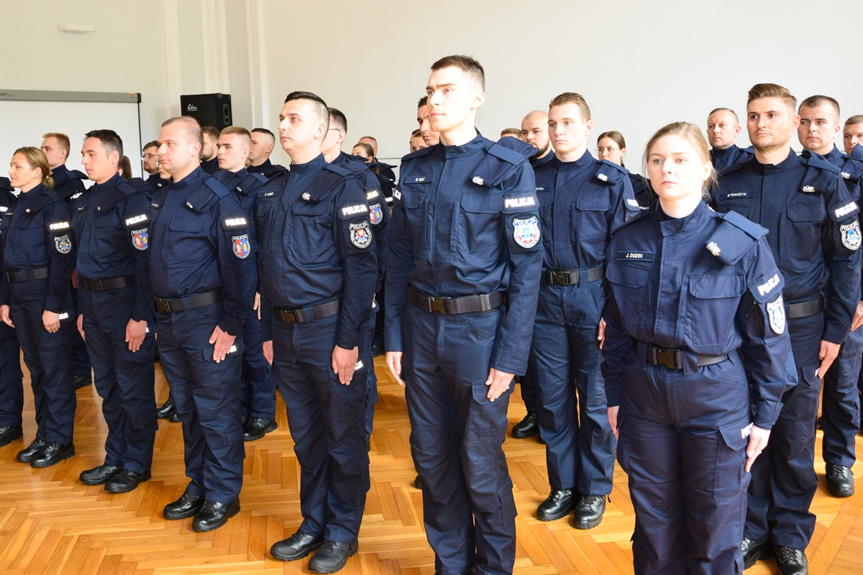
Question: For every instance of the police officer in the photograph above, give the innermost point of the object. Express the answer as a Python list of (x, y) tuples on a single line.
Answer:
[(840, 407), (110, 224), (69, 185), (379, 217), (201, 269), (694, 328), (462, 281), (150, 154), (36, 300), (318, 270), (852, 133), (722, 130), (815, 238), (429, 136), (259, 387), (263, 141), (11, 377), (581, 200), (611, 146), (209, 159)]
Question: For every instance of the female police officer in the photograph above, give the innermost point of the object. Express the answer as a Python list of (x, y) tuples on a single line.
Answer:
[(35, 295), (696, 360)]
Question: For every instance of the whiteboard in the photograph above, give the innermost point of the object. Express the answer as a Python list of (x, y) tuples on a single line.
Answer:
[(25, 115)]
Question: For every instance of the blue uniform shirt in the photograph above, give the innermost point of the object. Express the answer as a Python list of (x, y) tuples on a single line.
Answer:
[(267, 169), (36, 233), (814, 232), (200, 241), (667, 288), (111, 228), (156, 181), (454, 235), (580, 203), (725, 158), (67, 182), (316, 245)]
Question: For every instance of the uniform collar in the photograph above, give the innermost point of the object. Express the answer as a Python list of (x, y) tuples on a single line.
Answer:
[(110, 184), (467, 149), (316, 163), (585, 160), (720, 152), (191, 181), (694, 221), (789, 162)]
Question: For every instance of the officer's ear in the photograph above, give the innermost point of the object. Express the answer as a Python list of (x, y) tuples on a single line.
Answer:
[(114, 156), (478, 99)]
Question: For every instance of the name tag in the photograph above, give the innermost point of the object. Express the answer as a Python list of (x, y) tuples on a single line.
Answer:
[(638, 256)]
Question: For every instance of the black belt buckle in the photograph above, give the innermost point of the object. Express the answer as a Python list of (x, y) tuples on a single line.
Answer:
[(438, 304), (163, 305), (670, 358)]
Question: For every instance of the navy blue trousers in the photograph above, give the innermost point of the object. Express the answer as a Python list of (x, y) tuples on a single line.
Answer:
[(327, 422), (457, 439), (11, 378), (840, 405), (259, 387), (207, 399), (124, 380)]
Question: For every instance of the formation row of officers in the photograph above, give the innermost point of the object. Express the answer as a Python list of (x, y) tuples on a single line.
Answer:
[(698, 337)]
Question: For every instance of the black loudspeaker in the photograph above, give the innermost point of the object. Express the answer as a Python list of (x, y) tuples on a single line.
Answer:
[(209, 109)]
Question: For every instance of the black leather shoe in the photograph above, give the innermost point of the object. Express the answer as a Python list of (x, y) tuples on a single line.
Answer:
[(186, 506), (51, 454), (791, 561), (26, 454), (527, 427), (418, 483), (126, 481), (83, 381), (377, 349), (166, 409), (558, 504), (840, 480), (588, 511), (214, 514), (332, 556), (753, 551), (257, 428), (99, 475), (9, 433), (174, 417), (295, 547)]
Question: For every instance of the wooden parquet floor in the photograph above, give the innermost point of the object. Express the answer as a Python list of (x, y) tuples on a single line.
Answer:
[(51, 523)]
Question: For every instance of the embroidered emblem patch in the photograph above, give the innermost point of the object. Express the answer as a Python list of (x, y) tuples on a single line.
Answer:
[(851, 235), (526, 232), (241, 246), (140, 239), (63, 244), (361, 235), (776, 315), (376, 214)]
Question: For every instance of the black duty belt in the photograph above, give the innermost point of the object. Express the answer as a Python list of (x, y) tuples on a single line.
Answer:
[(307, 314), (673, 358), (571, 277), (193, 301), (455, 305), (109, 283), (17, 276), (804, 308)]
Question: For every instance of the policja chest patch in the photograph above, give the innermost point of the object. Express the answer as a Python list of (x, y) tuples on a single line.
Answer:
[(63, 244), (361, 235), (776, 315), (851, 235), (526, 232)]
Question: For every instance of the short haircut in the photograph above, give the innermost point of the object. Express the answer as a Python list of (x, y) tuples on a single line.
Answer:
[(729, 110), (110, 140), (338, 119), (858, 119), (572, 98), (238, 131), (320, 106), (423, 101), (153, 144), (466, 64), (62, 139), (416, 134), (263, 131), (211, 132), (193, 128), (760, 91), (513, 131), (819, 100)]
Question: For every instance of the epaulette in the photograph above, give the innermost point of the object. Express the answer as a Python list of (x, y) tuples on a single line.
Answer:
[(818, 161), (46, 198), (852, 168), (856, 152), (501, 162), (344, 172), (325, 182), (610, 173), (419, 153), (634, 220), (734, 237), (260, 177), (134, 186), (77, 175), (736, 166), (5, 184), (202, 198)]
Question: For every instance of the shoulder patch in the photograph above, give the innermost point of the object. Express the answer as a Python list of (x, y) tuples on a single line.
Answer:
[(846, 210), (353, 210), (850, 234), (376, 213), (140, 218), (361, 234), (372, 195), (516, 203), (238, 222), (63, 244), (526, 232), (776, 315), (57, 226)]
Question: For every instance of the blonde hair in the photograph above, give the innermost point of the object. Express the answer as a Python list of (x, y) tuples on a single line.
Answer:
[(36, 159), (572, 98), (694, 136)]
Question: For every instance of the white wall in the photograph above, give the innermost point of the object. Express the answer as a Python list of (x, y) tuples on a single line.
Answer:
[(639, 64)]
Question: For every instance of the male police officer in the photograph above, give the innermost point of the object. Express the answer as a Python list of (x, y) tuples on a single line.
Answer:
[(581, 200), (318, 271), (429, 136), (263, 141), (815, 237), (201, 268), (115, 310), (209, 160), (852, 133), (465, 242), (840, 407), (11, 376), (722, 130), (259, 387)]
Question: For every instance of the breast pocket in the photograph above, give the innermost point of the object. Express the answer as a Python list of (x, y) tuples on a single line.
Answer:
[(310, 234), (740, 204), (800, 234), (413, 200), (712, 304), (630, 290), (480, 222), (590, 226)]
